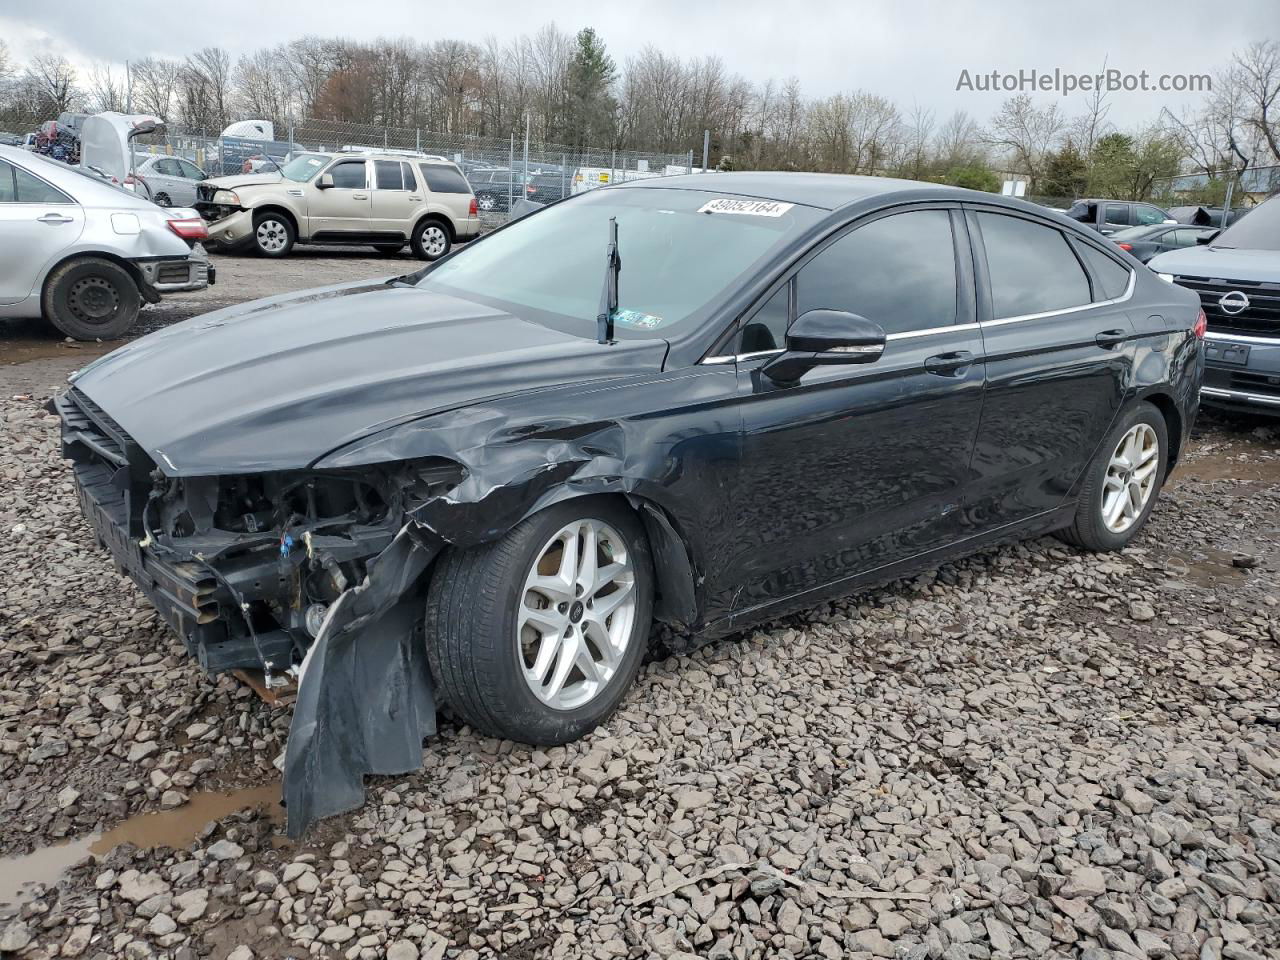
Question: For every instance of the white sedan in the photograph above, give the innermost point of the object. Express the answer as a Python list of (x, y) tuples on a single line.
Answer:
[(85, 254)]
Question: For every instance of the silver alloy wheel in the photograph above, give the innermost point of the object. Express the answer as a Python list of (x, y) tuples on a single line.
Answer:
[(1131, 477), (577, 611), (486, 202), (271, 236), (162, 200), (434, 240)]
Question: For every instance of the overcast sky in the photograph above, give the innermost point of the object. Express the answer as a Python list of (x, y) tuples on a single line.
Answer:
[(912, 52)]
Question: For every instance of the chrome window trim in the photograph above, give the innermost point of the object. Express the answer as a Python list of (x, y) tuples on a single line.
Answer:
[(1128, 292), (930, 331), (905, 335), (1242, 338), (734, 358), (1240, 395)]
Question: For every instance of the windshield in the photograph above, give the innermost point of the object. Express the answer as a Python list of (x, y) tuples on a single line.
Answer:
[(675, 259), (303, 167), (1260, 230)]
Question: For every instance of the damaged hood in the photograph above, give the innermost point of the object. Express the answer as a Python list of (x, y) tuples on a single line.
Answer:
[(276, 384), (259, 179)]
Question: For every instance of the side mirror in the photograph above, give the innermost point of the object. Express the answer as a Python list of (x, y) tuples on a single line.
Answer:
[(325, 182), (1206, 238), (823, 337)]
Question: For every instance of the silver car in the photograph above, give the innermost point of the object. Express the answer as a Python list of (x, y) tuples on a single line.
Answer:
[(85, 254), (171, 180)]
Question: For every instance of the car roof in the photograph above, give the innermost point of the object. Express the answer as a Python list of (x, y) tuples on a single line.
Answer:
[(826, 191)]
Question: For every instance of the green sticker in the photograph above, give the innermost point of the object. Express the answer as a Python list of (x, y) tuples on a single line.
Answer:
[(635, 320)]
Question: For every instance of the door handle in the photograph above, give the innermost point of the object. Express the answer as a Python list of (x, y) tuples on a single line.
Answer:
[(416, 199), (953, 364), (54, 218), (1109, 338), (359, 196)]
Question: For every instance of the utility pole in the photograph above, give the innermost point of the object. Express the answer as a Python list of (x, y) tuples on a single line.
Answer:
[(128, 89), (706, 148), (526, 154)]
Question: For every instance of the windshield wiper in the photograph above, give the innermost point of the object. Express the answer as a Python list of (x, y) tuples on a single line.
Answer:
[(609, 295)]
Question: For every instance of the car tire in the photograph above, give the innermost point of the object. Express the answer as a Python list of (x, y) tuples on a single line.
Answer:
[(1122, 481), (162, 200), (431, 239), (388, 249), (273, 234), (485, 650), (91, 299), (486, 202)]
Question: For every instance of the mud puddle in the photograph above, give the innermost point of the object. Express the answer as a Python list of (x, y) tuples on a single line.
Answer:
[(176, 828), (1241, 472), (1206, 567)]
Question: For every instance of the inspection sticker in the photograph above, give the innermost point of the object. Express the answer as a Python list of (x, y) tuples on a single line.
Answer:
[(752, 208)]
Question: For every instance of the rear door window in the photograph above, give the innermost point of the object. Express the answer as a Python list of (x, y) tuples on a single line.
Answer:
[(444, 178), (1118, 213), (898, 271), (388, 174), (1031, 268), (406, 171), (31, 189)]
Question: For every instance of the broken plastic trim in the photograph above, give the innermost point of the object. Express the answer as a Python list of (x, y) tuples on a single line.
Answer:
[(365, 698)]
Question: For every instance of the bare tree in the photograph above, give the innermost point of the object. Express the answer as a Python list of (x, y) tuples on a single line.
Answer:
[(1092, 125), (51, 81), (1027, 132), (1257, 72), (309, 61), (154, 83), (106, 89), (959, 142)]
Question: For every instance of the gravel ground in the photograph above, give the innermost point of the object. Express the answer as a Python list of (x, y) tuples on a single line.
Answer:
[(1032, 752)]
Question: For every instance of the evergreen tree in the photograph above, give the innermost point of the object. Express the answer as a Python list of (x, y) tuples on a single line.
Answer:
[(592, 114)]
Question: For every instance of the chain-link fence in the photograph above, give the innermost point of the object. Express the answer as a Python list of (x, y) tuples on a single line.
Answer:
[(1243, 188), (500, 170)]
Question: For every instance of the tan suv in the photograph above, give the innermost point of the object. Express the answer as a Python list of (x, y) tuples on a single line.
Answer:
[(386, 199)]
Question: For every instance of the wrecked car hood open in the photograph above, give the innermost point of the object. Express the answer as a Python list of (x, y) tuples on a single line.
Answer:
[(279, 383)]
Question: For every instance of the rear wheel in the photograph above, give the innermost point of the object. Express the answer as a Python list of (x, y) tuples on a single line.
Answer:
[(431, 240), (273, 234), (91, 299), (162, 200), (538, 636), (486, 202), (1121, 484)]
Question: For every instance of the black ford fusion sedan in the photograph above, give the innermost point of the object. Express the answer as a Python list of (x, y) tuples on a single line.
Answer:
[(705, 400)]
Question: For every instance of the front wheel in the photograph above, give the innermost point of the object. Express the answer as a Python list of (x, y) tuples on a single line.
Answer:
[(273, 235), (538, 636), (1122, 482)]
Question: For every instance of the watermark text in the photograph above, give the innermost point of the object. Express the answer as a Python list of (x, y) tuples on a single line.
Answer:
[(1061, 82)]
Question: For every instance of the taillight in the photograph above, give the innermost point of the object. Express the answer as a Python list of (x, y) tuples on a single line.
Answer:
[(191, 228), (473, 208), (531, 189), (1125, 246), (1202, 324)]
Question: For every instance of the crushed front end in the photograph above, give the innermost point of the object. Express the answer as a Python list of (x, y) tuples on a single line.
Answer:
[(242, 568)]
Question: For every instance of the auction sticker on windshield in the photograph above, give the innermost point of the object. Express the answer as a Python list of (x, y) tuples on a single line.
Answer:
[(752, 208)]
